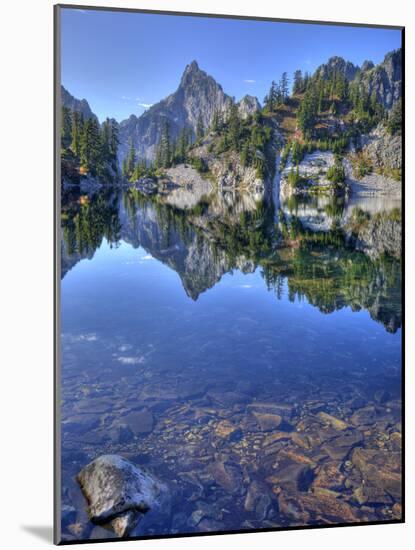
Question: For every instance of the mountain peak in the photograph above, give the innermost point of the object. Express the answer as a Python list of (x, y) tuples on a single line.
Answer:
[(191, 69), (192, 73), (196, 100), (193, 65), (74, 104), (367, 65), (337, 64)]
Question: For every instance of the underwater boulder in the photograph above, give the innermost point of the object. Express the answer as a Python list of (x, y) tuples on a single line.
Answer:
[(119, 493)]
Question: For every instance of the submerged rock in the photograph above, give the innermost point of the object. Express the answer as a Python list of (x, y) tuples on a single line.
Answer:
[(332, 421), (267, 421), (380, 469), (118, 493)]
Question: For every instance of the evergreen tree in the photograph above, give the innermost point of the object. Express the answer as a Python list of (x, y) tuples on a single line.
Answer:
[(271, 99), (90, 147), (283, 88), (234, 127), (182, 145), (163, 151), (200, 130), (245, 154), (131, 160), (215, 124), (106, 139), (114, 140), (298, 82), (394, 123), (307, 113), (76, 132), (66, 127)]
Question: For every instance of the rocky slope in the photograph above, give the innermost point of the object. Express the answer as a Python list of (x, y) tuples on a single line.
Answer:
[(227, 170), (78, 105), (313, 172), (198, 95), (383, 149), (385, 79)]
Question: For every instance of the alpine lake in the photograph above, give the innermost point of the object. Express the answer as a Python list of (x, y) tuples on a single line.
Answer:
[(239, 348)]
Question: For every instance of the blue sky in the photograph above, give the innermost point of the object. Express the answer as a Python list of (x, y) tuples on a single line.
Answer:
[(122, 62)]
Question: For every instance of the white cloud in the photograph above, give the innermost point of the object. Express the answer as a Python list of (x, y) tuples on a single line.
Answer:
[(147, 257), (249, 81), (126, 98), (145, 105)]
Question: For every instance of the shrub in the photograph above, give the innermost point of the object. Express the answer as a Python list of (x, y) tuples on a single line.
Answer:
[(336, 173)]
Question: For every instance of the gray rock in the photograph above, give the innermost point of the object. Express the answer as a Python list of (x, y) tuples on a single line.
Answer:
[(119, 493), (384, 150), (248, 105)]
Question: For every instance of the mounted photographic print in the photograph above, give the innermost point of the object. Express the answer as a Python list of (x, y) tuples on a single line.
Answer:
[(229, 274)]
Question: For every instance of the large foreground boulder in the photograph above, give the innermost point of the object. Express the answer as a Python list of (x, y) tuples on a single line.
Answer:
[(119, 493)]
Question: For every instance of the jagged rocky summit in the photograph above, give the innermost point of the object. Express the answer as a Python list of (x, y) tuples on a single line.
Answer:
[(337, 65), (198, 94), (385, 79), (78, 105)]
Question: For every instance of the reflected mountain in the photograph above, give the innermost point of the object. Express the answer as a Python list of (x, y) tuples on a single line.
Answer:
[(324, 249)]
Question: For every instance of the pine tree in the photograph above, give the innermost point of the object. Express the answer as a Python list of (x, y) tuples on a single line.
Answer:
[(214, 125), (182, 145), (200, 130), (306, 81), (271, 99), (115, 140), (76, 132), (245, 154), (163, 151), (234, 127), (307, 112), (90, 146), (298, 82), (106, 140), (131, 160), (283, 87), (394, 123), (66, 124)]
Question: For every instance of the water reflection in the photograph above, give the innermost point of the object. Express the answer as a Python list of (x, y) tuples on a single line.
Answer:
[(226, 230)]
